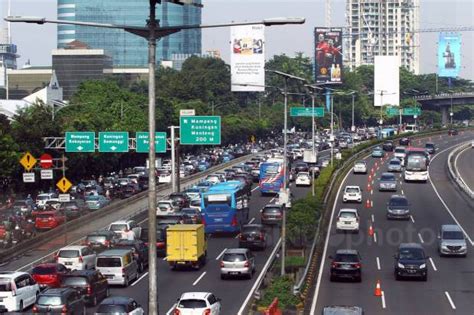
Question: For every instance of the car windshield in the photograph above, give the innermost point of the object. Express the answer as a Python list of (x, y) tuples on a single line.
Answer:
[(108, 262), (233, 257), (111, 309), (352, 190), (74, 281), (271, 209), (92, 198), (196, 203), (394, 162), (96, 238), (398, 202), (399, 150), (192, 303), (346, 258), (360, 164), (49, 300), (429, 145), (411, 254), (453, 235), (387, 177), (43, 270), (68, 253), (118, 227), (347, 214), (249, 229)]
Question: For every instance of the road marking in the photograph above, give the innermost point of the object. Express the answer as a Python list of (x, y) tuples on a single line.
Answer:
[(165, 258), (222, 253), (373, 181), (433, 264), (372, 192), (373, 218), (402, 192), (371, 203), (384, 306), (450, 300), (378, 263), (255, 188), (251, 220), (375, 237), (411, 218), (171, 310), (401, 183), (199, 279), (138, 280), (421, 238)]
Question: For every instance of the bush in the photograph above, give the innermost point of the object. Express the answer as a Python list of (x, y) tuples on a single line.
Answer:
[(281, 288)]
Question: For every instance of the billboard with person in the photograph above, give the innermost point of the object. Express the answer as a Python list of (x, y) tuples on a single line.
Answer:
[(247, 58), (328, 54), (449, 55)]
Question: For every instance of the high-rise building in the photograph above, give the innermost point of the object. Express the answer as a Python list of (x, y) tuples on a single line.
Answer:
[(382, 27), (127, 49)]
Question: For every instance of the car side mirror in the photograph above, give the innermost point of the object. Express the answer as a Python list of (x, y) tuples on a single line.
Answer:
[(218, 299)]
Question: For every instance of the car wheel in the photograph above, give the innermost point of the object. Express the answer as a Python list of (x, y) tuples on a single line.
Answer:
[(332, 278), (126, 282), (107, 292), (94, 301), (223, 277), (424, 278), (20, 307)]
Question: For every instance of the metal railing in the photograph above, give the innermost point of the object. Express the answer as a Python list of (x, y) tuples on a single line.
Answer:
[(453, 171)]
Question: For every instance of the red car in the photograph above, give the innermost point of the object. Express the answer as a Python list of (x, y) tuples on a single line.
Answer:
[(49, 274), (47, 220)]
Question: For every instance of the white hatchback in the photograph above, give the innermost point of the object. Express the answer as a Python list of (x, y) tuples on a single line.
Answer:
[(360, 167), (303, 179), (76, 257), (348, 220), (352, 194), (18, 290), (198, 303)]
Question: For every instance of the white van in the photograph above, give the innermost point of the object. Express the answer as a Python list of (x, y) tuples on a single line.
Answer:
[(411, 128), (118, 266), (76, 257), (18, 290)]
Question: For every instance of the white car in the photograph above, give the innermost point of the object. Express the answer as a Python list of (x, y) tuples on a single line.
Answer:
[(352, 194), (198, 303), (76, 257), (42, 198), (360, 167), (213, 179), (400, 153), (164, 178), (348, 220), (126, 229), (165, 207), (303, 179), (18, 291)]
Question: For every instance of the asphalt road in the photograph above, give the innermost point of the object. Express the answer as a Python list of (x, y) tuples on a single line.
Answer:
[(449, 289), (465, 166)]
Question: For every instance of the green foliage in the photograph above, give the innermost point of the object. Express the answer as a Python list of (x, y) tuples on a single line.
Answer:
[(9, 156), (281, 288)]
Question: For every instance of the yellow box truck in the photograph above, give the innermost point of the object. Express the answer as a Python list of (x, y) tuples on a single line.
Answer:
[(186, 246)]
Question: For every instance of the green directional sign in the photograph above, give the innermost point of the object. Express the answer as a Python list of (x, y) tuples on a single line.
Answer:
[(80, 141), (113, 142), (306, 112), (412, 111), (143, 142), (200, 130), (392, 111)]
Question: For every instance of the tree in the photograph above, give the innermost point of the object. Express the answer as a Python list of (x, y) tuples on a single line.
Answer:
[(3, 93)]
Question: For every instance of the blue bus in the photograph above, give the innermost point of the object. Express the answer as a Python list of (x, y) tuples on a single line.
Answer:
[(225, 207), (271, 177)]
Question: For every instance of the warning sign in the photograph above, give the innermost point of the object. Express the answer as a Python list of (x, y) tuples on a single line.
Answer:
[(64, 185), (28, 161)]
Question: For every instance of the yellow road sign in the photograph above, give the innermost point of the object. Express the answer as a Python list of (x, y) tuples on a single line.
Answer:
[(64, 185), (28, 161)]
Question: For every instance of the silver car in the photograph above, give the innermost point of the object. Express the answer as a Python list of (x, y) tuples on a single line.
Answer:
[(388, 182), (237, 262), (395, 165), (452, 241)]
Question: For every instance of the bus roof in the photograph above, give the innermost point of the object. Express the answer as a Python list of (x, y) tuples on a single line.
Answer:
[(415, 149), (233, 185)]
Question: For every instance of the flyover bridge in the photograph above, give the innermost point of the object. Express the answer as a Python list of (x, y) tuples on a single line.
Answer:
[(444, 101)]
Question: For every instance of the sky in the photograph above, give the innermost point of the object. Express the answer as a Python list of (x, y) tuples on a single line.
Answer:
[(35, 42)]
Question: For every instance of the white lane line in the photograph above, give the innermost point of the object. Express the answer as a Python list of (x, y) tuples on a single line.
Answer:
[(199, 279), (255, 189), (222, 253), (433, 264), (442, 200), (373, 218), (165, 258), (373, 181), (138, 280), (171, 310), (421, 238), (384, 306), (375, 237), (450, 300), (412, 220), (401, 183), (271, 200), (251, 220), (372, 192), (402, 192), (371, 203), (378, 263)]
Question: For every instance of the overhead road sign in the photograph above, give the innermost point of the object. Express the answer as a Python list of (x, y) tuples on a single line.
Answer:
[(391, 111), (80, 141), (306, 112), (113, 142), (28, 161), (412, 111), (46, 161), (187, 112), (64, 185), (143, 142), (200, 130)]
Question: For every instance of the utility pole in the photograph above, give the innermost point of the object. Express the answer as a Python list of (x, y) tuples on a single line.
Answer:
[(173, 160), (353, 124), (332, 130), (285, 169)]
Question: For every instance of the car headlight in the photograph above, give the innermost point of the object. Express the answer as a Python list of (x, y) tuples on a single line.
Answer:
[(422, 266), (401, 266)]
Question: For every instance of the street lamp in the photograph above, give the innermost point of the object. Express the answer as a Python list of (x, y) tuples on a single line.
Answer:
[(153, 32)]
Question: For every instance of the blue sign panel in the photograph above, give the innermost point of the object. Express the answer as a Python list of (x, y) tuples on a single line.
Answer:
[(449, 55)]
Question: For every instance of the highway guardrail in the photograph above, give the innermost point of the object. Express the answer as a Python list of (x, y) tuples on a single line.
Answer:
[(453, 170)]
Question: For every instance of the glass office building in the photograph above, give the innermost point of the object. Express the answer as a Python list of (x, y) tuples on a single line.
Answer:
[(126, 49)]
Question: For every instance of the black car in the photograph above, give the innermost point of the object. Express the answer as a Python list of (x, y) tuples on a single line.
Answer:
[(182, 199), (73, 209), (118, 305), (90, 283), (452, 132), (411, 262), (139, 250), (253, 235), (301, 167), (60, 300), (404, 141), (430, 147), (101, 240), (129, 190), (346, 264), (143, 182), (193, 214), (160, 239), (26, 206), (388, 145), (398, 207)]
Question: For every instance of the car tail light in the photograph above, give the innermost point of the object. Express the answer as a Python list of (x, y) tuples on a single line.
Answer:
[(335, 265), (247, 264), (203, 221), (35, 309), (177, 312), (64, 310), (160, 244), (262, 236), (234, 221), (207, 311), (81, 259), (222, 264), (107, 243), (241, 236), (357, 265), (89, 290)]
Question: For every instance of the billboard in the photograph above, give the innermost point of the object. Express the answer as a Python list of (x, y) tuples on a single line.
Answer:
[(387, 81), (328, 54), (247, 58), (449, 55)]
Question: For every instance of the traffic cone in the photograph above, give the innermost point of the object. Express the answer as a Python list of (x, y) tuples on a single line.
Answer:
[(371, 230), (369, 188), (370, 177), (378, 289), (367, 204)]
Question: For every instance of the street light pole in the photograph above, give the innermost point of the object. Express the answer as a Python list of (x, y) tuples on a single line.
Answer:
[(285, 162), (332, 130), (353, 124)]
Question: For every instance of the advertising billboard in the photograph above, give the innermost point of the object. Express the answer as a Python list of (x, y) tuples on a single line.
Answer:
[(328, 54), (449, 55), (247, 58), (387, 81)]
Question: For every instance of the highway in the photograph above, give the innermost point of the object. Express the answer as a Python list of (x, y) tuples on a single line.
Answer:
[(449, 289), (465, 165)]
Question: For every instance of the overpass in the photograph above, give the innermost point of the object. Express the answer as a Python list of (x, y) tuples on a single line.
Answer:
[(444, 101)]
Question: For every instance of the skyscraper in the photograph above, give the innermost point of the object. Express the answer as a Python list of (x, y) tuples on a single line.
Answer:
[(128, 49), (382, 27)]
